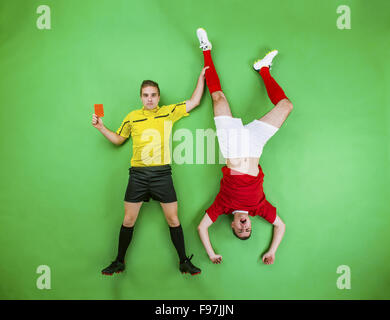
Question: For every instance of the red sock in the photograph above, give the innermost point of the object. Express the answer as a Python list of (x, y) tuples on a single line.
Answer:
[(275, 92), (212, 79)]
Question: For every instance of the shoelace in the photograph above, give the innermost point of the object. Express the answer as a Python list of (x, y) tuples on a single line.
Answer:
[(189, 259), (203, 45)]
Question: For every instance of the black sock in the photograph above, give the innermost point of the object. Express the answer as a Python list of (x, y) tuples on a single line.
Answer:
[(177, 237), (125, 235)]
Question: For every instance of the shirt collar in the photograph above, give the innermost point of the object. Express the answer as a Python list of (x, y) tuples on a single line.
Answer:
[(242, 211), (150, 112)]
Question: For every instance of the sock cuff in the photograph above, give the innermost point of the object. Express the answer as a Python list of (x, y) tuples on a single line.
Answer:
[(176, 228), (264, 71), (126, 228)]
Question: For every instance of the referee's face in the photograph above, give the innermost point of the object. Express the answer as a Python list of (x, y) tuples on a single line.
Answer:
[(150, 97)]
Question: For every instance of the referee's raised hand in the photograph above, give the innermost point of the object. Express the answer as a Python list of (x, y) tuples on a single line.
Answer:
[(97, 122)]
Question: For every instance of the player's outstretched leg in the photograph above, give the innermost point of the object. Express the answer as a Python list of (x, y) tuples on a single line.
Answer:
[(263, 67), (220, 104), (283, 106), (212, 79)]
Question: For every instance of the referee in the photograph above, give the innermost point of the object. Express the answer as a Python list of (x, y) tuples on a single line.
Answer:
[(150, 173)]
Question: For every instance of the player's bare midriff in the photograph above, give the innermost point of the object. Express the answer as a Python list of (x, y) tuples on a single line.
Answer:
[(244, 165)]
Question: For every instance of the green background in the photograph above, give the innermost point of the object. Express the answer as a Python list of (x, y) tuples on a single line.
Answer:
[(327, 169)]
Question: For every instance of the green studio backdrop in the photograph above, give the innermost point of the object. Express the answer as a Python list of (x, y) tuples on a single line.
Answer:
[(326, 170)]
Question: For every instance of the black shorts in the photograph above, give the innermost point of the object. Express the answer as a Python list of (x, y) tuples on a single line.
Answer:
[(150, 182)]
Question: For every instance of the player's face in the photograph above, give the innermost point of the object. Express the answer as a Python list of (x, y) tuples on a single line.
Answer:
[(242, 226), (150, 97)]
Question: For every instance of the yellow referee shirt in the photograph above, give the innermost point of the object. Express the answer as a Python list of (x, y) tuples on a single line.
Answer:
[(151, 131)]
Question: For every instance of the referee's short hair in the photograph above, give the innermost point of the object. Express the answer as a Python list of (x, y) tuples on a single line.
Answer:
[(149, 83)]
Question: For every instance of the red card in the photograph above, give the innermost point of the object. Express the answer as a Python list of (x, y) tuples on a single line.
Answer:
[(99, 110)]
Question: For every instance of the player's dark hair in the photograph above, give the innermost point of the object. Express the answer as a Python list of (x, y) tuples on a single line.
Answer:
[(149, 83), (243, 238)]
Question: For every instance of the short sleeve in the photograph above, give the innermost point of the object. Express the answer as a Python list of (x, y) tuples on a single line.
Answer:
[(268, 212), (178, 111), (215, 210), (125, 129)]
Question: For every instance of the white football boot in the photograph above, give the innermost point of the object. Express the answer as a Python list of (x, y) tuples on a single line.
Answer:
[(266, 61), (205, 44)]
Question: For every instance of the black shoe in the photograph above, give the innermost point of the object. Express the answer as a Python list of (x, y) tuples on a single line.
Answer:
[(115, 266), (188, 267)]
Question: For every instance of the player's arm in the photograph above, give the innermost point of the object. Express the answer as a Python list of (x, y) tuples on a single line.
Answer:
[(278, 233), (198, 92), (204, 236), (115, 138)]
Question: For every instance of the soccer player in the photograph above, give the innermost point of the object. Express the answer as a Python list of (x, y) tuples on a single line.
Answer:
[(150, 172), (241, 192)]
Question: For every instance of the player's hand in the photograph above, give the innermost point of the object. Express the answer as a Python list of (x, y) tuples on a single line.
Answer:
[(216, 258), (268, 258), (97, 122), (203, 72)]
